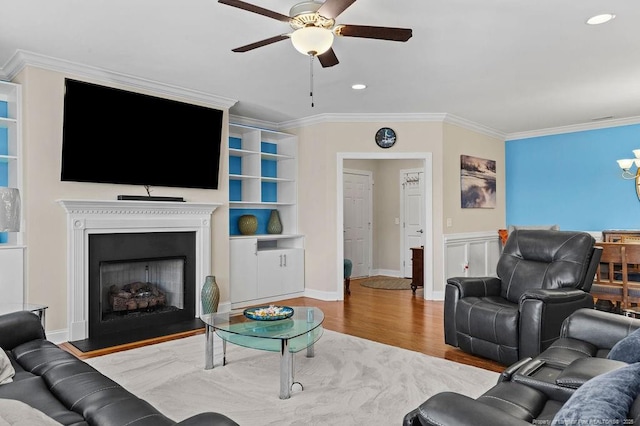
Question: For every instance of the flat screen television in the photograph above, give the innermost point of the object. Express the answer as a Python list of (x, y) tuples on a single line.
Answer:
[(116, 136)]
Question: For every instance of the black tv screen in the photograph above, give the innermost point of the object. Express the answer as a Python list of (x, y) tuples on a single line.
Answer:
[(116, 136)]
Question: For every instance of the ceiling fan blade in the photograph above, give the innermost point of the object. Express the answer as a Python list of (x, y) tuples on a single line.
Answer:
[(256, 9), (380, 33), (328, 59), (333, 8), (261, 43)]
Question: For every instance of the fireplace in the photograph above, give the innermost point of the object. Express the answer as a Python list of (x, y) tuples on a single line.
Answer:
[(140, 283), (180, 233)]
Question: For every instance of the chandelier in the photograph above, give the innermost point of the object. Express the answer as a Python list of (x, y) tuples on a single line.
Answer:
[(626, 165)]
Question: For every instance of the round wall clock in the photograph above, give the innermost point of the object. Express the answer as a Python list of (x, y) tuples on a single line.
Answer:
[(386, 137)]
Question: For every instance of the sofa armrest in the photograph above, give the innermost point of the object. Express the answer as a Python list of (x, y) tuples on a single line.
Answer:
[(542, 313), (601, 329), (458, 288), (208, 419), (448, 408), (476, 286), (19, 327), (554, 296)]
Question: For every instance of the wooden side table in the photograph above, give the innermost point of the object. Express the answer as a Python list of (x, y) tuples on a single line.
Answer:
[(39, 310), (417, 271)]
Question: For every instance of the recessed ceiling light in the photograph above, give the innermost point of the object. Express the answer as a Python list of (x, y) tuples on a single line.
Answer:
[(359, 86), (600, 19)]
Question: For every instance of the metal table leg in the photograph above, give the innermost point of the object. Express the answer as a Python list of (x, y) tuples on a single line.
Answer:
[(286, 370), (208, 355), (310, 349)]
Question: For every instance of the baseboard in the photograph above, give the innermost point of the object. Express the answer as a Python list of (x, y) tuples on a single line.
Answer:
[(387, 273), (58, 336)]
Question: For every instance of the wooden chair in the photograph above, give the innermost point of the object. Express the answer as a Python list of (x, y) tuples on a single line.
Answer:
[(632, 288), (611, 274)]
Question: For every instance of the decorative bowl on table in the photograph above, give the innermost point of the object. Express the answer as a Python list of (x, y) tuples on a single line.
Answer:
[(268, 313)]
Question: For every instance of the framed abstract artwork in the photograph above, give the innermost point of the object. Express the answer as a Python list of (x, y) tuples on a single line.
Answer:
[(477, 183)]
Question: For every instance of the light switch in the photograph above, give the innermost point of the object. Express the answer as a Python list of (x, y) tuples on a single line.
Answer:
[(397, 220), (449, 222)]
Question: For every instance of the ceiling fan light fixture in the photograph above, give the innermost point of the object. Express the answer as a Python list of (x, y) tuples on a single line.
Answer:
[(312, 40)]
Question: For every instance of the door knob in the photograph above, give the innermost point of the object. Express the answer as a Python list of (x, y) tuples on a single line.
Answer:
[(420, 231)]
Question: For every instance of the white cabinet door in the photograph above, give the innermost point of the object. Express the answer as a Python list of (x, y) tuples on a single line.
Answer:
[(243, 269), (270, 273), (293, 277), (280, 272)]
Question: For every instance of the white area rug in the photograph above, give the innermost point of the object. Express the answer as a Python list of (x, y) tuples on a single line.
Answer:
[(350, 381)]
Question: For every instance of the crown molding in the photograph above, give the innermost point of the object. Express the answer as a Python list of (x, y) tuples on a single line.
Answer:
[(601, 124), (361, 118), (393, 117), (253, 122), (476, 127), (22, 59)]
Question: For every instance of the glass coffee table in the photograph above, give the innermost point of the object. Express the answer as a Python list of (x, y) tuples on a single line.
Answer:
[(286, 336)]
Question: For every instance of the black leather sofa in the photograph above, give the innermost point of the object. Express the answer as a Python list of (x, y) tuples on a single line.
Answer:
[(533, 391), (69, 390)]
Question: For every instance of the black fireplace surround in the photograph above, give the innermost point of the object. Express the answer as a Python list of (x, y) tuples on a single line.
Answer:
[(138, 324)]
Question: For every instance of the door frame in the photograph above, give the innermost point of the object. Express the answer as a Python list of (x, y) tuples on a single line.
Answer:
[(402, 212), (427, 157), (369, 176)]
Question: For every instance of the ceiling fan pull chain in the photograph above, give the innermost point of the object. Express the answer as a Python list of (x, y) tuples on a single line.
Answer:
[(311, 79)]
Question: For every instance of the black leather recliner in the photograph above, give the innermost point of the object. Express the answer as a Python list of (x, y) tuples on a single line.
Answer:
[(543, 277)]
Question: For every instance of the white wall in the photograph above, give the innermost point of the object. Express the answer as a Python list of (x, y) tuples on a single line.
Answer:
[(461, 141)]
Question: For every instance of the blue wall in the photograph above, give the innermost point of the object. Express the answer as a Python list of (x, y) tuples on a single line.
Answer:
[(573, 180)]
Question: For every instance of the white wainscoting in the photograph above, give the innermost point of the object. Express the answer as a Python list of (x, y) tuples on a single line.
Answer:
[(473, 254)]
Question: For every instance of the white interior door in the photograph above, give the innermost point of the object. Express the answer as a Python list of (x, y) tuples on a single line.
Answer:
[(357, 221), (412, 182)]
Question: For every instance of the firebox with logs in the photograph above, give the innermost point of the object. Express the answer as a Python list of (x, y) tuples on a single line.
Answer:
[(136, 296)]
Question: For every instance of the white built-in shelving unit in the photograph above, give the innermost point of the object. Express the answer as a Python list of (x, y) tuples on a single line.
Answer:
[(262, 177), (12, 250)]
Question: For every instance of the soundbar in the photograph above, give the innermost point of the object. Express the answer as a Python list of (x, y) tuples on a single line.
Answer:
[(149, 198)]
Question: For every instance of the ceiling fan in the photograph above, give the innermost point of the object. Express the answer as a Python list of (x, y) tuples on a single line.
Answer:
[(314, 27)]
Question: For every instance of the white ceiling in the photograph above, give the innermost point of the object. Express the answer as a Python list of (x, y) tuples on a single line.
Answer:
[(511, 65)]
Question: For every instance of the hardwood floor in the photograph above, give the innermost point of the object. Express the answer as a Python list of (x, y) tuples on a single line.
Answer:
[(393, 317)]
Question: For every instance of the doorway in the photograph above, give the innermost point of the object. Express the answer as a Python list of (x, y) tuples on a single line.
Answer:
[(426, 163)]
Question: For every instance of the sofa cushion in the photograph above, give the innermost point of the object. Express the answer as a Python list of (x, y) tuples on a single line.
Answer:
[(6, 369), (17, 413), (605, 399), (34, 392), (627, 349)]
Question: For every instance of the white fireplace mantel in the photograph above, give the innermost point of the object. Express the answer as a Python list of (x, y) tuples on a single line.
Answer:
[(85, 217)]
